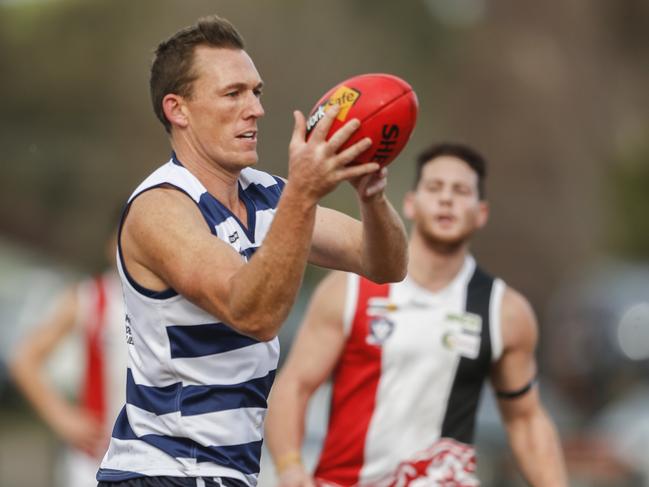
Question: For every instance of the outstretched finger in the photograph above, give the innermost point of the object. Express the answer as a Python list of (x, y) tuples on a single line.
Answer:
[(357, 171), (352, 152), (343, 134)]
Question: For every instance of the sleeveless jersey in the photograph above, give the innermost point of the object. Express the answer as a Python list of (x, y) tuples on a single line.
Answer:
[(407, 385), (196, 389)]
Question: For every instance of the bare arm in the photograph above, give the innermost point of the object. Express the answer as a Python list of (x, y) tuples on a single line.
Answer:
[(376, 247), (313, 356), (165, 238), (532, 434), (69, 422)]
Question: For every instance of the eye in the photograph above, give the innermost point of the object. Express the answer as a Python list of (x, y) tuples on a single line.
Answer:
[(257, 92), (232, 94)]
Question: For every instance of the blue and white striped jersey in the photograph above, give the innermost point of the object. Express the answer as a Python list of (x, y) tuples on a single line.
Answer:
[(196, 388)]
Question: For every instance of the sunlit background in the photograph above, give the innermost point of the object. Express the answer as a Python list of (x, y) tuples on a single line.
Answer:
[(555, 94)]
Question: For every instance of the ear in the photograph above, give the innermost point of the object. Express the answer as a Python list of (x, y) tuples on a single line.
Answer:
[(483, 214), (174, 109), (409, 205)]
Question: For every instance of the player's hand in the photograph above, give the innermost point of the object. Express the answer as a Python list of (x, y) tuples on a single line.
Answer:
[(295, 476), (82, 431), (371, 187), (315, 165)]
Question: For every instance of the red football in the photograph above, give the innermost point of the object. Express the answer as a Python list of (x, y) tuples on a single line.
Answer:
[(386, 107)]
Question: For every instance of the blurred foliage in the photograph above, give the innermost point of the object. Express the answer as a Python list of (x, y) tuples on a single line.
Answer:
[(629, 189)]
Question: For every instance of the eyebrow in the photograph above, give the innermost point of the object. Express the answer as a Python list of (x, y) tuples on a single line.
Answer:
[(243, 86)]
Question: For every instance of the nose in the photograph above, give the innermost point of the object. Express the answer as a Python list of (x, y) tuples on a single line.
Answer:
[(446, 197), (254, 108)]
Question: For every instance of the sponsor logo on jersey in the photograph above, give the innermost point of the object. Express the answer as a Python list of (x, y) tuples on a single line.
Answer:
[(463, 334), (380, 329), (343, 96)]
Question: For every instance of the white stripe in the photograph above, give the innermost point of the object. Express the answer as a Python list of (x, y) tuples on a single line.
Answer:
[(130, 455), (495, 326), (231, 367), (222, 428), (351, 299), (264, 219), (127, 455)]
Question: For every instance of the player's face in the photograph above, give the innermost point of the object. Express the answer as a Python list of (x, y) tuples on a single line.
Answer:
[(224, 107), (445, 207)]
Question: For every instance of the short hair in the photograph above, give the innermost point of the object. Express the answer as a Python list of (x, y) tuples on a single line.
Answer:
[(460, 151), (172, 70)]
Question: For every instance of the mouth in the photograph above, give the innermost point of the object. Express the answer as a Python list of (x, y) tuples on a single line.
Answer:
[(248, 135), (445, 218)]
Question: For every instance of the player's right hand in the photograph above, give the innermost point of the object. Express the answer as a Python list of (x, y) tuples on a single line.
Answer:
[(315, 165), (82, 431), (295, 476)]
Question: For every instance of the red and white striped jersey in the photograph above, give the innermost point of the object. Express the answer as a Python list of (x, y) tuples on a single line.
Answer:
[(408, 382), (101, 322)]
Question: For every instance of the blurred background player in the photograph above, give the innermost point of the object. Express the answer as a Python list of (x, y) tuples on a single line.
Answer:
[(92, 308), (409, 359)]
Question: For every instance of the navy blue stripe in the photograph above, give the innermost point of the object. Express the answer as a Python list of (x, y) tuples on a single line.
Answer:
[(112, 475), (256, 197), (263, 197), (243, 458), (192, 400), (249, 252), (158, 400), (250, 394), (201, 340)]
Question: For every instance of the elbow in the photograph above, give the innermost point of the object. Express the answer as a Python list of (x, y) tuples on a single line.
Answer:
[(388, 274), (261, 328)]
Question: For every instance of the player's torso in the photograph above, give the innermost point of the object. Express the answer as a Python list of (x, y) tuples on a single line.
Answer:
[(423, 358)]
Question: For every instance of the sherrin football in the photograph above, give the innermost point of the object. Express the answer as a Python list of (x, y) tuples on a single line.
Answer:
[(386, 107)]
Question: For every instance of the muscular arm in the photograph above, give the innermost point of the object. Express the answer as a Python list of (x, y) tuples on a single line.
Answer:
[(376, 247), (532, 434), (71, 423), (313, 356), (166, 243)]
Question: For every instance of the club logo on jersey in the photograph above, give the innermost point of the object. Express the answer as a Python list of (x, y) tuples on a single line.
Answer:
[(233, 237), (343, 96), (463, 334), (379, 331)]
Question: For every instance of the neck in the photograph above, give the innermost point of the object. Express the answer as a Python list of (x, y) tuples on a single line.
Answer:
[(434, 266), (219, 181)]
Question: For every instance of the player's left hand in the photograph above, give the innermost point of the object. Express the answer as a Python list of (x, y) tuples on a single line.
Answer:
[(371, 186)]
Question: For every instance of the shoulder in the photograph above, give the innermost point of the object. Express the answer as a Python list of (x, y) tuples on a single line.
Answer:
[(171, 175), (329, 298), (519, 325)]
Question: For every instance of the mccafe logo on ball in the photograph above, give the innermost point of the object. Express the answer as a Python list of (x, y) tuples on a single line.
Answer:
[(343, 96)]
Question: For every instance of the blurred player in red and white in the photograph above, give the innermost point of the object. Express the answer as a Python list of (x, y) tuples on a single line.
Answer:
[(408, 360), (92, 308)]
